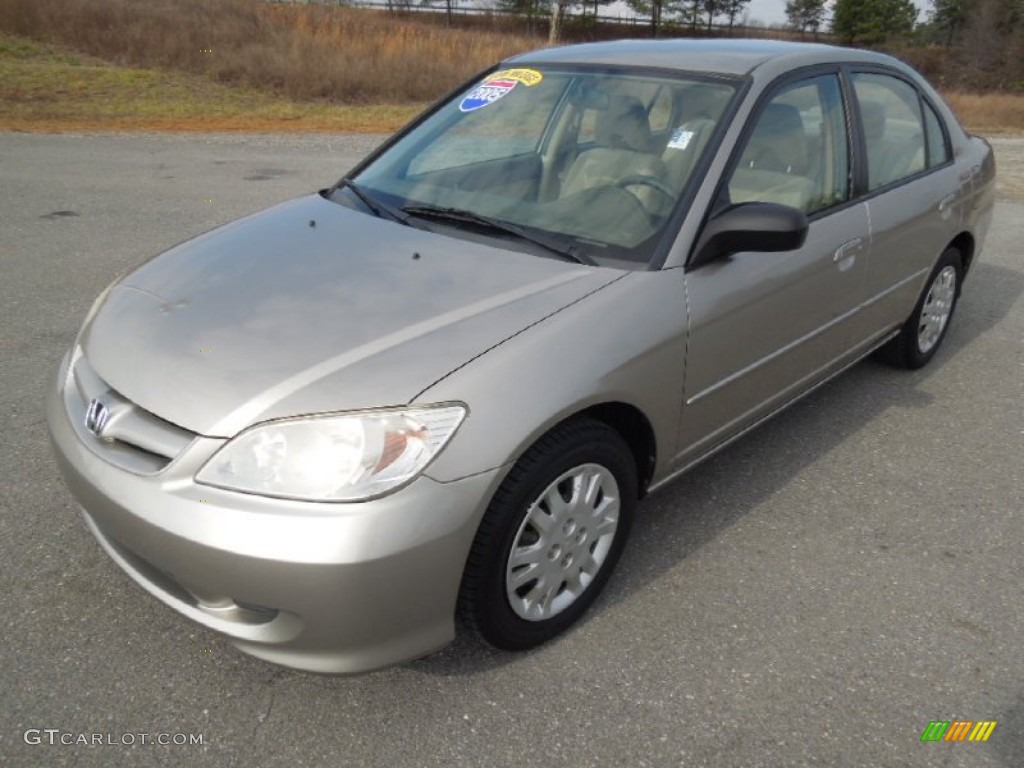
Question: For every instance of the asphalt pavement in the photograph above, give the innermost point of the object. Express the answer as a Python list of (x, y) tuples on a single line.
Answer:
[(814, 595)]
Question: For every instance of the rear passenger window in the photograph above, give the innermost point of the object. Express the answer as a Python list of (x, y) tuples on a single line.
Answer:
[(797, 153), (891, 115), (938, 149)]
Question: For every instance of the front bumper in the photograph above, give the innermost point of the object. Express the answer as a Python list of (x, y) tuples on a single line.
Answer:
[(335, 588)]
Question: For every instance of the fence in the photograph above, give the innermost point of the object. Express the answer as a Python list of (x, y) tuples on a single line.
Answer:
[(636, 24)]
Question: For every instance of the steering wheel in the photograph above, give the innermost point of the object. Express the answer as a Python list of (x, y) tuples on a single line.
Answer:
[(643, 180)]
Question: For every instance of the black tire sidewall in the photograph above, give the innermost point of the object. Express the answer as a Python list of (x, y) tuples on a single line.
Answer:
[(583, 443)]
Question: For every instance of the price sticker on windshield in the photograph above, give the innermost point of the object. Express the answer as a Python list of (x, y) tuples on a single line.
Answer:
[(498, 85)]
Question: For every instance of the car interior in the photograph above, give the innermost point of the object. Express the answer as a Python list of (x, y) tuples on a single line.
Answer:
[(895, 147), (622, 150), (777, 164), (603, 159)]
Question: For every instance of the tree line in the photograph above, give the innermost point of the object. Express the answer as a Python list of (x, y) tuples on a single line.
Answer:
[(977, 44), (693, 14), (974, 44)]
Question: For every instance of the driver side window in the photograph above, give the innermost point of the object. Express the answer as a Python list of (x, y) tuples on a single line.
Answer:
[(797, 153)]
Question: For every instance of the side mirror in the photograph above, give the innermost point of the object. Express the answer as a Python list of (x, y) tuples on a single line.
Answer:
[(761, 227)]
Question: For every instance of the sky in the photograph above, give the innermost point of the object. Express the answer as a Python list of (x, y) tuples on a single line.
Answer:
[(768, 11)]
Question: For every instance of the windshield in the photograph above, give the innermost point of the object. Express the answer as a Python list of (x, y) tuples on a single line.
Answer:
[(589, 161)]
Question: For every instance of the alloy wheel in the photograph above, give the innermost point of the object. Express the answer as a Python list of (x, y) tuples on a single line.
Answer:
[(562, 542)]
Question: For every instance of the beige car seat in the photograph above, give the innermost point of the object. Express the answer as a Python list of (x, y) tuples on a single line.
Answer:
[(773, 166), (623, 138), (697, 105), (890, 157)]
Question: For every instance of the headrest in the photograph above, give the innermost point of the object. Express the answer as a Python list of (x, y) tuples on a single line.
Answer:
[(780, 120), (624, 125), (779, 142)]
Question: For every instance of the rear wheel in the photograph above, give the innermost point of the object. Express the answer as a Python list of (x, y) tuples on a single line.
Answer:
[(920, 337), (550, 537)]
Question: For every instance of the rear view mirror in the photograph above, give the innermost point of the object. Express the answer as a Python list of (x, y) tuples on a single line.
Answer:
[(761, 227)]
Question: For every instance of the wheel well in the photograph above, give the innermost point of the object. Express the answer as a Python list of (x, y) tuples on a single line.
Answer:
[(964, 242), (636, 430)]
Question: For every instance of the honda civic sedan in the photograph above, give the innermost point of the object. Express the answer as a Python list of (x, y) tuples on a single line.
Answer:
[(432, 395)]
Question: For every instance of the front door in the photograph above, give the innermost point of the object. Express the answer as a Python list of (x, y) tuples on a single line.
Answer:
[(765, 325)]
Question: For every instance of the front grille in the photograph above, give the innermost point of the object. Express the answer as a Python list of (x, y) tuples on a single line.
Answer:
[(131, 437)]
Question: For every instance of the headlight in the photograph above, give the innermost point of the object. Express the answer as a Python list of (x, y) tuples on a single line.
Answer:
[(342, 457)]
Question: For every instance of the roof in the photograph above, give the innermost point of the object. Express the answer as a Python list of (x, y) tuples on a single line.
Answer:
[(732, 56)]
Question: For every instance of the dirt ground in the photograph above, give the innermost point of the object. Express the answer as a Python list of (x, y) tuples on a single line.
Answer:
[(1009, 166)]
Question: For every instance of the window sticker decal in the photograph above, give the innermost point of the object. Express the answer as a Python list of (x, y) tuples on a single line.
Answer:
[(680, 139), (528, 77), (497, 85)]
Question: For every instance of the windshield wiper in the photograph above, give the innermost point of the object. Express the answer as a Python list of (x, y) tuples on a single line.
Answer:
[(377, 207), (459, 215)]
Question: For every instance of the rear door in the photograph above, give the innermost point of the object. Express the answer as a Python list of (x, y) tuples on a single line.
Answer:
[(765, 325), (916, 196)]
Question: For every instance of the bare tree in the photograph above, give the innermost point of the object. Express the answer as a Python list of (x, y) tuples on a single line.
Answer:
[(557, 13), (990, 52), (734, 9), (655, 9)]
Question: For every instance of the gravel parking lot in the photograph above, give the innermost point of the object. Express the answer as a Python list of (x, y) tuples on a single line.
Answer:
[(814, 595), (1010, 157)]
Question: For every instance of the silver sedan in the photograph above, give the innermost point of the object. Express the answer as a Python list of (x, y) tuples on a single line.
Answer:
[(439, 388)]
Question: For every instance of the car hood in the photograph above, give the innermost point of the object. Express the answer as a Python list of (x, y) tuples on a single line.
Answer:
[(311, 307)]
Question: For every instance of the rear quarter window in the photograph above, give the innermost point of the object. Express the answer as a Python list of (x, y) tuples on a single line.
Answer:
[(938, 146)]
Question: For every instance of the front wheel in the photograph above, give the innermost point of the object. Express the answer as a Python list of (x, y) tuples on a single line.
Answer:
[(921, 335), (550, 537)]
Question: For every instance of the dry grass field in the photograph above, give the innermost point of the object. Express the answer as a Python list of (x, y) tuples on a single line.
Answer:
[(50, 88), (989, 113), (245, 65), (343, 55)]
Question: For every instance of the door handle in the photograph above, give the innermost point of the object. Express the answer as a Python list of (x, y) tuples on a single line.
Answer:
[(946, 205), (848, 250)]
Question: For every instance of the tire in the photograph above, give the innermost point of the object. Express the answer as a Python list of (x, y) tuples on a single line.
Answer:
[(922, 335), (538, 561)]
